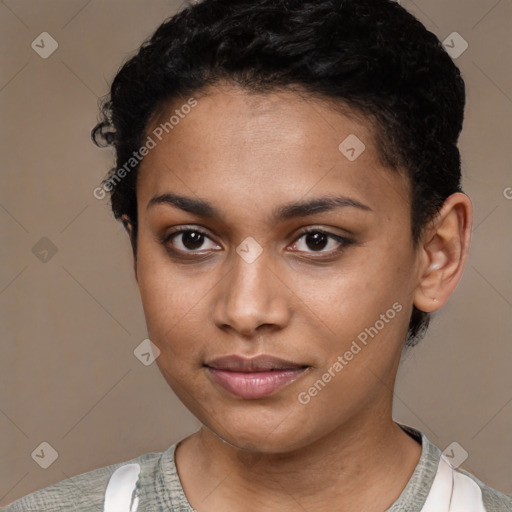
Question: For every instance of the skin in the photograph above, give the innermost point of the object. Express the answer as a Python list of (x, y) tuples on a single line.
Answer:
[(246, 155)]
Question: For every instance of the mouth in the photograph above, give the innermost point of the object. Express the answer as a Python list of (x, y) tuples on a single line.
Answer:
[(252, 378)]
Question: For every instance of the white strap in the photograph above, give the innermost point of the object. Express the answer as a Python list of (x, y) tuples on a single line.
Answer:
[(467, 495), (452, 491), (438, 499), (119, 493)]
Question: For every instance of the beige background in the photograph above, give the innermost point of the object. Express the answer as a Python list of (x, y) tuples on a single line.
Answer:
[(69, 326)]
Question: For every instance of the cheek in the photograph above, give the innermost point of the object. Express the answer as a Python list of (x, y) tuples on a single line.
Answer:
[(364, 302), (165, 300), (175, 303), (347, 299)]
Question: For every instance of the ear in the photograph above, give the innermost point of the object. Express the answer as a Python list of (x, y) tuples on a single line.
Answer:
[(128, 225), (443, 253)]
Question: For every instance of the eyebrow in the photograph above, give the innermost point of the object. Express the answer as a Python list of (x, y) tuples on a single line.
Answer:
[(283, 212)]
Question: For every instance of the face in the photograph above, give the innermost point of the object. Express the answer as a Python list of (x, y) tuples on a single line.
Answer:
[(229, 272)]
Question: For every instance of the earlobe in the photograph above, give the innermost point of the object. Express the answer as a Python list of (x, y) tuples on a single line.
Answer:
[(444, 253)]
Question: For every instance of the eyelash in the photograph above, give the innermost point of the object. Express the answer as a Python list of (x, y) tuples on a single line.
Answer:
[(343, 241)]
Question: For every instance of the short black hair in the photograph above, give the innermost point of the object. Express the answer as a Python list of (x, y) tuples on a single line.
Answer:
[(371, 56)]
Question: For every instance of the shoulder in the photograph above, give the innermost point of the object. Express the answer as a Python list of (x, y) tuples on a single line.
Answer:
[(435, 480), (82, 492), (493, 500)]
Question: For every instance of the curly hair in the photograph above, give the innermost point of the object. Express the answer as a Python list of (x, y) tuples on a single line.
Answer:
[(371, 56)]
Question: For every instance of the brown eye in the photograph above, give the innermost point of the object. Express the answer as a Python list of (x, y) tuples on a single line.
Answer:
[(316, 240), (192, 240), (189, 240)]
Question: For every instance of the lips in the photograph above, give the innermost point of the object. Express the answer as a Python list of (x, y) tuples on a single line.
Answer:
[(256, 377), (255, 364)]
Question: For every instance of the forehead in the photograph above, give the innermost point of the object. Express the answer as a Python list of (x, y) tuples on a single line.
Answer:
[(266, 148)]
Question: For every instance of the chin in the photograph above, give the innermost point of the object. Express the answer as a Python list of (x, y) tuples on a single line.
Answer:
[(257, 432)]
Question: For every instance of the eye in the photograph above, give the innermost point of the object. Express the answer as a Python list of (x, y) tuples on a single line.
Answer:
[(317, 240), (188, 240), (192, 240)]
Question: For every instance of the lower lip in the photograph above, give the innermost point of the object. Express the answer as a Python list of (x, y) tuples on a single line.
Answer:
[(254, 384)]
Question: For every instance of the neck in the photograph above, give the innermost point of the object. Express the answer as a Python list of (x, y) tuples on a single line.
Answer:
[(358, 465)]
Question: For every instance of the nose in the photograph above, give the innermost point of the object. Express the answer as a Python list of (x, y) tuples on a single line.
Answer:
[(252, 297)]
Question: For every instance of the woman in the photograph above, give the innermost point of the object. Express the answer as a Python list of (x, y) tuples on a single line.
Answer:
[(289, 177)]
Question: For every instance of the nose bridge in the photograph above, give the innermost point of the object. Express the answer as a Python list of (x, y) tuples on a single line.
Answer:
[(251, 296)]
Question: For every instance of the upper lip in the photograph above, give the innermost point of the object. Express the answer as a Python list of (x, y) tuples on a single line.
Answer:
[(253, 364)]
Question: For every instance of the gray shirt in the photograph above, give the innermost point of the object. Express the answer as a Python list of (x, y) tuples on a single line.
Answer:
[(161, 490)]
